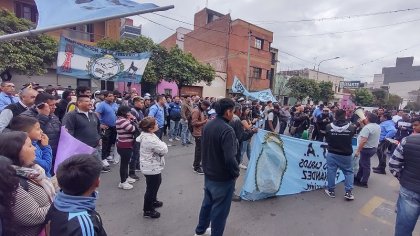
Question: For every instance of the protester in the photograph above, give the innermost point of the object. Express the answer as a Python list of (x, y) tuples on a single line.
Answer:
[(9, 184), (246, 141), (73, 211), (147, 104), (404, 127), (63, 104), (322, 121), (339, 135), (83, 125), (152, 162), (125, 141), (175, 117), (368, 144), (81, 90), (186, 112), (43, 151), (35, 192), (388, 130), (404, 165), (106, 112), (300, 122), (7, 95), (137, 111), (220, 170), (27, 99), (157, 111), (272, 120), (397, 116), (198, 120)]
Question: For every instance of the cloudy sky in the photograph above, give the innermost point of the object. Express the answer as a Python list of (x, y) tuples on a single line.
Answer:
[(385, 40)]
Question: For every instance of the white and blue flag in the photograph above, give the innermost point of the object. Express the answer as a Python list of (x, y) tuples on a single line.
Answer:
[(263, 95), (88, 62)]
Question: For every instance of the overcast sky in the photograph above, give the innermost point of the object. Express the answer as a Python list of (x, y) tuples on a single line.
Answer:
[(353, 48)]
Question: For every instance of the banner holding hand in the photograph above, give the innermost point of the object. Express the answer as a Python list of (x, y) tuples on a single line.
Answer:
[(69, 146)]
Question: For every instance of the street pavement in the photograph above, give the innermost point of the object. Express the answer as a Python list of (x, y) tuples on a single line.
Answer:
[(311, 213)]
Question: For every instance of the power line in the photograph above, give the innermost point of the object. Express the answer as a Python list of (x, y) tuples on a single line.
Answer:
[(342, 17), (350, 31)]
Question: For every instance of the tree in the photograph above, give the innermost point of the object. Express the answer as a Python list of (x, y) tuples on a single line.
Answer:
[(325, 91), (380, 97), (393, 102), (28, 55), (363, 97), (301, 88)]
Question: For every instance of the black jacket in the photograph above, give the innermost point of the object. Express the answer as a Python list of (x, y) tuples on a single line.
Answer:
[(61, 109), (218, 151), (84, 129), (301, 122), (410, 174), (339, 135), (64, 224)]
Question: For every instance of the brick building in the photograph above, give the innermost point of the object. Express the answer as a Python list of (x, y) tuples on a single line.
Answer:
[(224, 43)]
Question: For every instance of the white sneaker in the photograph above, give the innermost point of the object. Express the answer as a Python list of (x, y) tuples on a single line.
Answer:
[(177, 138), (105, 163), (171, 140), (110, 158), (125, 186), (242, 166), (130, 180), (208, 232)]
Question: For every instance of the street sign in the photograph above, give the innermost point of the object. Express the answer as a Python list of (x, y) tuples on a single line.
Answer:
[(350, 84)]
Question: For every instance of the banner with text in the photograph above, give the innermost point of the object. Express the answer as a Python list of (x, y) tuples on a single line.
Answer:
[(263, 95), (86, 62), (282, 165)]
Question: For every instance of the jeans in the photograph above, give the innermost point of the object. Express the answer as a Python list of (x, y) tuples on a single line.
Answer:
[(185, 132), (320, 136), (364, 164), (381, 152), (174, 126), (215, 207), (283, 125), (152, 187), (197, 153), (159, 133), (246, 147), (408, 211), (126, 154), (135, 158), (109, 137), (345, 164)]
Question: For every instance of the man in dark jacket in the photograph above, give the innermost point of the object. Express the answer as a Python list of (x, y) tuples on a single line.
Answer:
[(219, 147), (322, 121), (64, 102), (404, 165), (300, 122), (339, 135)]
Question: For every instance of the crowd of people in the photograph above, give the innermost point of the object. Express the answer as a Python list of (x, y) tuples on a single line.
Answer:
[(127, 129)]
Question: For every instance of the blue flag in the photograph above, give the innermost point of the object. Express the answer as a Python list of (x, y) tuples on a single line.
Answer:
[(263, 95), (87, 62), (63, 12)]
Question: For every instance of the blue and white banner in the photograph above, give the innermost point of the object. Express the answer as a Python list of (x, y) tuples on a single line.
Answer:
[(87, 62), (282, 165), (263, 96), (64, 12)]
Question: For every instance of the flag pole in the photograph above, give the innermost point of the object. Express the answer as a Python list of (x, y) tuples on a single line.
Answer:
[(52, 28)]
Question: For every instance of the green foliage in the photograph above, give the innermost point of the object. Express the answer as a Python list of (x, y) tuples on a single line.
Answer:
[(175, 65), (380, 97), (393, 102), (28, 55), (301, 88), (412, 106), (363, 97), (325, 91)]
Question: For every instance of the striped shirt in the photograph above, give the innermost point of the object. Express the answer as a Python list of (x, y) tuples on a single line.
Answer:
[(396, 162), (125, 132)]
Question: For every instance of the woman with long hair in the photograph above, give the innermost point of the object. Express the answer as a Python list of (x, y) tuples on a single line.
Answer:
[(8, 187), (247, 123), (125, 143), (152, 162), (35, 192)]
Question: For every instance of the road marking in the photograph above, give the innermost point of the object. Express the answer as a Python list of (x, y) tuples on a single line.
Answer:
[(394, 183), (374, 203)]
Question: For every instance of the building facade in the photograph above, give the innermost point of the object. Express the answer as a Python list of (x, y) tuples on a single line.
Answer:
[(402, 72), (317, 76), (224, 44)]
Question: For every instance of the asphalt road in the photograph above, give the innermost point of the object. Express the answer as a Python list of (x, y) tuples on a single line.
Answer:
[(311, 213)]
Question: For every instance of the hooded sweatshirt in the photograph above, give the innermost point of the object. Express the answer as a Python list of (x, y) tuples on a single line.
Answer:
[(339, 135), (152, 151), (74, 215)]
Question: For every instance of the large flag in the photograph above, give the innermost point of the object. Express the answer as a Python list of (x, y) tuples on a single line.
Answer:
[(69, 146), (263, 95), (87, 62), (64, 12), (282, 165)]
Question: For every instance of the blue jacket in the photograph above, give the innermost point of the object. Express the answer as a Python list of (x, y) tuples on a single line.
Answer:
[(175, 111), (388, 130), (43, 157)]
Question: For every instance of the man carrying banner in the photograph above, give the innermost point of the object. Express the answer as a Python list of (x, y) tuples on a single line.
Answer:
[(339, 135)]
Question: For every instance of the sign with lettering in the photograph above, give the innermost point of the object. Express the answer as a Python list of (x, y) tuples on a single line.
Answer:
[(282, 165), (350, 84)]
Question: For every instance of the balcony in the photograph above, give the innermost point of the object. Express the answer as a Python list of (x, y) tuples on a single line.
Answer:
[(128, 31)]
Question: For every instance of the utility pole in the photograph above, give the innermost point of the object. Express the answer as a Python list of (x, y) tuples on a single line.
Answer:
[(248, 85)]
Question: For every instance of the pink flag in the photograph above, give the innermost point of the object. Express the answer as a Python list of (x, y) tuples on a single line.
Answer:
[(69, 146)]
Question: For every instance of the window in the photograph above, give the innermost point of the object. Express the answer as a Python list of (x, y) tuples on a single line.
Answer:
[(82, 32), (270, 74), (256, 73), (26, 11), (259, 43), (168, 92)]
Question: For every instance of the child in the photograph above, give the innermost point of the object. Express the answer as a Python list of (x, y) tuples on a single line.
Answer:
[(43, 152), (152, 161), (73, 211)]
